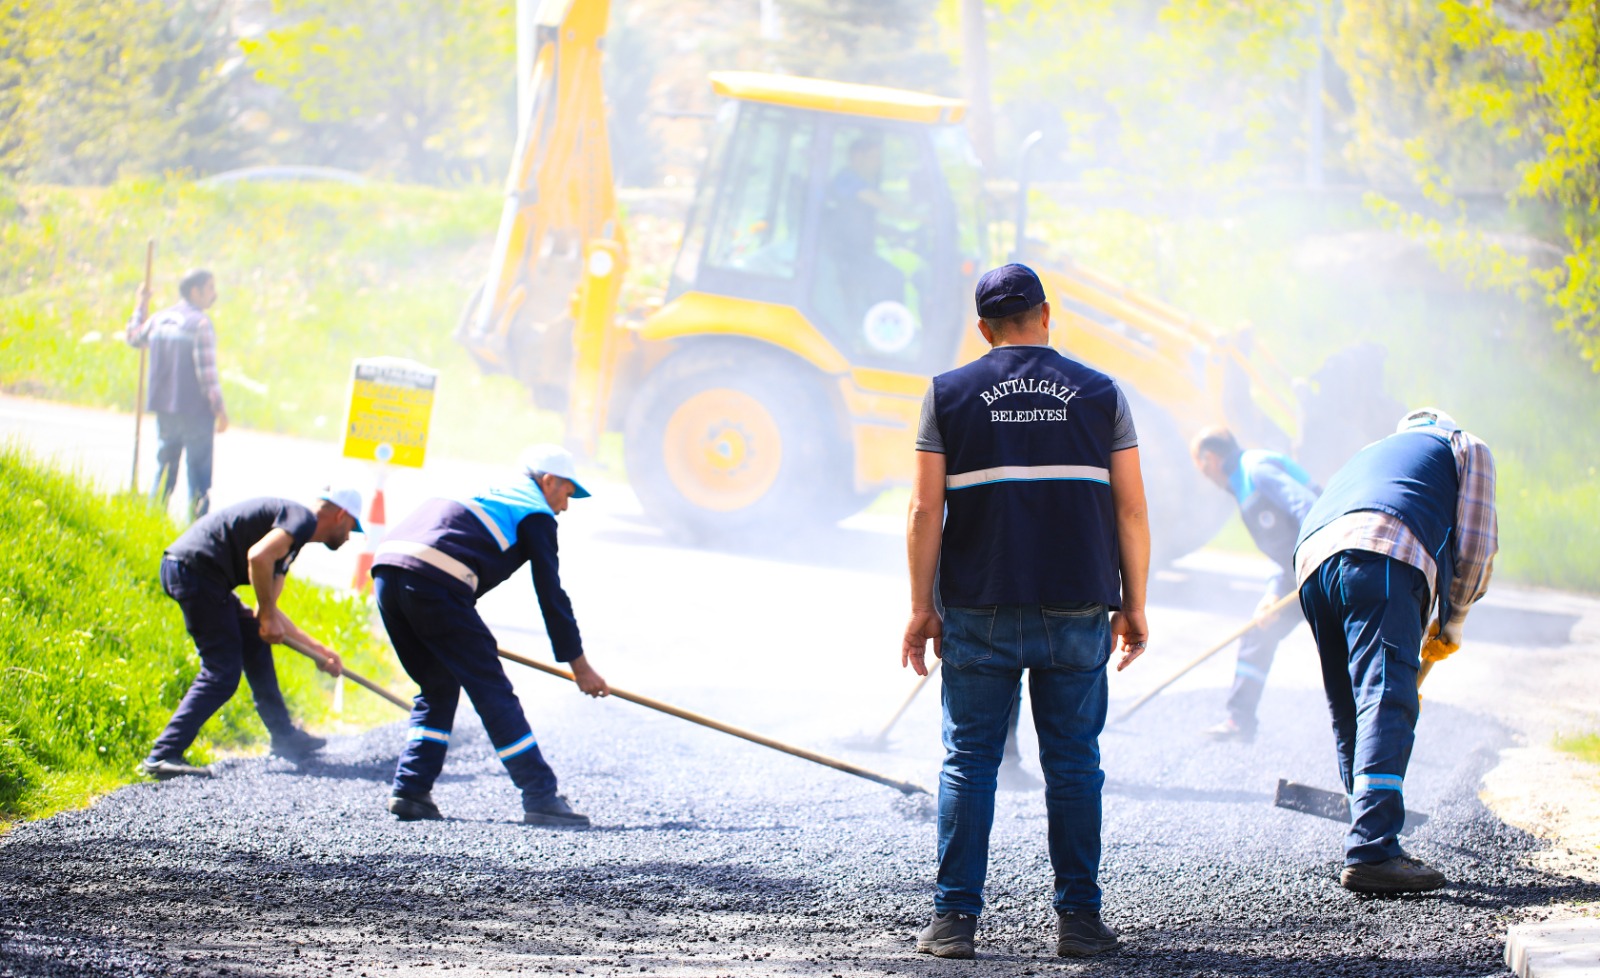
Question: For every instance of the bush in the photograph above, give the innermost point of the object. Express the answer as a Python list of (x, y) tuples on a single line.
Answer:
[(94, 656)]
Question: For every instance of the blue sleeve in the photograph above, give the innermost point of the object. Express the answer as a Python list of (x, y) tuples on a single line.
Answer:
[(1284, 490), (536, 538)]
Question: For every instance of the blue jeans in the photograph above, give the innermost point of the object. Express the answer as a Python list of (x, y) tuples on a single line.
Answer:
[(1367, 612), (445, 647), (1065, 650), (228, 638), (180, 433)]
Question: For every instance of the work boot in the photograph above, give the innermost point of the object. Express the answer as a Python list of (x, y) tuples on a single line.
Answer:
[(1011, 777), (414, 808), (949, 935), (1082, 934), (1402, 874), (1230, 730), (297, 746), (163, 770), (553, 811)]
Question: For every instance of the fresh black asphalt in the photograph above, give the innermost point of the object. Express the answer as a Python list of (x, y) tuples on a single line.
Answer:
[(711, 856)]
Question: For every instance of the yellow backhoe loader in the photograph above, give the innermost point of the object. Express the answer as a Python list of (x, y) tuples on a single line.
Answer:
[(825, 274)]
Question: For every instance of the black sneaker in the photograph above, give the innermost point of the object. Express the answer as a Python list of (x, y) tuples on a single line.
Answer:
[(167, 770), (553, 811), (1402, 874), (297, 745), (1230, 730), (948, 936), (414, 808), (1082, 934)]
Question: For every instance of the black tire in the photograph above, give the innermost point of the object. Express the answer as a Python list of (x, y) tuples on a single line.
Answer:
[(726, 445), (1185, 510)]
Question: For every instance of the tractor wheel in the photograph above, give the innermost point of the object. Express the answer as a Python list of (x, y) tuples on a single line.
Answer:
[(1185, 510), (723, 447)]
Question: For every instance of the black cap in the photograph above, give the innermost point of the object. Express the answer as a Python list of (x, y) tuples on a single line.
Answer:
[(1008, 290)]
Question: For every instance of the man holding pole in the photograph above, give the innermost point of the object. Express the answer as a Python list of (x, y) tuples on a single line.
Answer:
[(1030, 461), (428, 575), (1408, 523), (1274, 495), (253, 543), (183, 389)]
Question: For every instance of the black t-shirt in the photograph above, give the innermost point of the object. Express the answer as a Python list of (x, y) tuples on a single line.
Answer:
[(218, 544)]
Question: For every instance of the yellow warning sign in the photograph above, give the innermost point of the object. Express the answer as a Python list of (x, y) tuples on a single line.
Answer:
[(391, 404)]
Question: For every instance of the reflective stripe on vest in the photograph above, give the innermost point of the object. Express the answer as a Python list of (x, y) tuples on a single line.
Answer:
[(433, 558), (1028, 473)]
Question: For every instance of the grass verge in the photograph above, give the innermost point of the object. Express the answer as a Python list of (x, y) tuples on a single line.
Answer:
[(94, 656), (1585, 747)]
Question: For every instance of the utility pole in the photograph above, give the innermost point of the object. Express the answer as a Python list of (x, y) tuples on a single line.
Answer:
[(975, 65)]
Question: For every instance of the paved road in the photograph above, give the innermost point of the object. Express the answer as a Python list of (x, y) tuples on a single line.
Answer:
[(712, 856)]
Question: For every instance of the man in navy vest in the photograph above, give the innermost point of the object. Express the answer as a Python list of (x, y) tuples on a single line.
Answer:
[(1408, 523), (184, 393), (1031, 461), (1274, 495), (427, 577)]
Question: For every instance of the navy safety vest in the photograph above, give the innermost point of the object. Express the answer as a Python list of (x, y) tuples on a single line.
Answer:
[(1274, 529), (1029, 517), (1410, 475), (470, 541), (174, 383)]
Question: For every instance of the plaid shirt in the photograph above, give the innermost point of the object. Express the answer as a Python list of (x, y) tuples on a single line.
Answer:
[(1477, 532), (142, 324)]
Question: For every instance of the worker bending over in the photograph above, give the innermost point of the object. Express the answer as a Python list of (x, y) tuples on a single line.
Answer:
[(253, 543), (1036, 458), (1406, 525), (428, 575), (1274, 495)]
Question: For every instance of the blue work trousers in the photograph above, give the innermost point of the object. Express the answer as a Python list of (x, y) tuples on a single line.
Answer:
[(445, 647), (180, 434), (1257, 648), (1367, 612), (228, 638), (1065, 650)]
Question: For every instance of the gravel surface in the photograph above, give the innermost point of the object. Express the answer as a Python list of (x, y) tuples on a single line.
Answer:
[(710, 856)]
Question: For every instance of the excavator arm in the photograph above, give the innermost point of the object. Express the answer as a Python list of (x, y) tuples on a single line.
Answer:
[(546, 312)]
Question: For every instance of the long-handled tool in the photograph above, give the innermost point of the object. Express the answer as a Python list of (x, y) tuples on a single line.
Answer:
[(354, 677), (144, 353), (1189, 666), (705, 721), (881, 739)]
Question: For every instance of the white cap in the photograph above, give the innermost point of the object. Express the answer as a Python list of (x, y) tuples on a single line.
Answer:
[(1427, 417), (553, 460), (348, 500)]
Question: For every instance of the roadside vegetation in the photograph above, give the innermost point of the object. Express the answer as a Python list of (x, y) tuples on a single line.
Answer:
[(94, 656)]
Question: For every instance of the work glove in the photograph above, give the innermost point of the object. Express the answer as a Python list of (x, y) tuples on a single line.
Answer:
[(1441, 641)]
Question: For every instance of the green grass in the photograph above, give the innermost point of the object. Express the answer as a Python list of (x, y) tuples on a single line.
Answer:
[(1585, 747), (94, 657), (310, 276)]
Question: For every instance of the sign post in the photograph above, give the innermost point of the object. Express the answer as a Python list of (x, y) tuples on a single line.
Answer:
[(391, 407)]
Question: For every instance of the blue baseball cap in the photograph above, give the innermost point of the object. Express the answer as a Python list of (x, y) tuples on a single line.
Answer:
[(1008, 290)]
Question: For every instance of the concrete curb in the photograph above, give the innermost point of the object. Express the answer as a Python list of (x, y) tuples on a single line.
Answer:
[(1562, 949)]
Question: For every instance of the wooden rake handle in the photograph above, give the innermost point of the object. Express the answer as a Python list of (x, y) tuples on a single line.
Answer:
[(351, 675), (654, 704)]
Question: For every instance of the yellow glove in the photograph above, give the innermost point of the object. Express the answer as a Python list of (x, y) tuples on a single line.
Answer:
[(1436, 648)]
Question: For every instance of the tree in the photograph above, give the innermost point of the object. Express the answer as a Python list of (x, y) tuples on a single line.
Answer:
[(419, 85), (1502, 98), (880, 42)]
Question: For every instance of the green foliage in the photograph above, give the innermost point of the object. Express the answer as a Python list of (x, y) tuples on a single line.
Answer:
[(1466, 96), (92, 90), (1586, 747), (95, 657), (425, 82), (879, 42), (310, 276)]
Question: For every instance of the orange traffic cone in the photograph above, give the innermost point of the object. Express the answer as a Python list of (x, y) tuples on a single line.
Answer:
[(373, 525)]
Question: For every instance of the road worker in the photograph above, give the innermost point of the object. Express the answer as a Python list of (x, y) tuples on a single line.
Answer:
[(427, 575), (1274, 495), (1042, 559), (1405, 530), (253, 543)]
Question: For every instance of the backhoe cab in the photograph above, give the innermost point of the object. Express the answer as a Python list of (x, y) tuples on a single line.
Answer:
[(825, 274)]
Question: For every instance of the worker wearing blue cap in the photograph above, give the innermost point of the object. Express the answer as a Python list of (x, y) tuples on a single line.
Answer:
[(253, 543), (1028, 503), (427, 576)]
